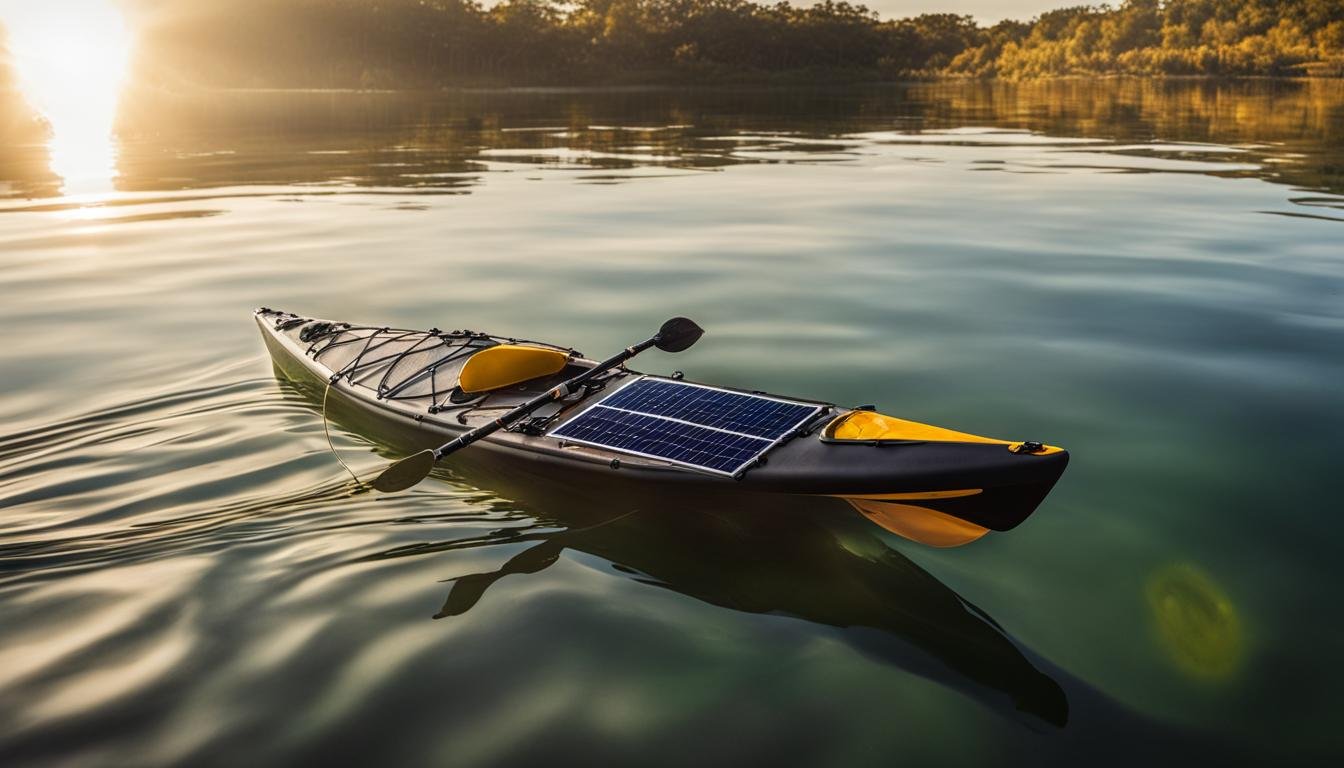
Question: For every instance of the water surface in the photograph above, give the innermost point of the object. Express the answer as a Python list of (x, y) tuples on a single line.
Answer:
[(1148, 274)]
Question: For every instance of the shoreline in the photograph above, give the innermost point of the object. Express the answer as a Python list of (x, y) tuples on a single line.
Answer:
[(725, 85)]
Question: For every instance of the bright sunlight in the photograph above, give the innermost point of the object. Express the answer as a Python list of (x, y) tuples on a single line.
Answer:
[(71, 59)]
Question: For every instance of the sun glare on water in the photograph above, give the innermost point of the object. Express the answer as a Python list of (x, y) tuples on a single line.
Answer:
[(71, 58)]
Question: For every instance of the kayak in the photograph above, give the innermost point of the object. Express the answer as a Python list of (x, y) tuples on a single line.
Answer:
[(934, 485)]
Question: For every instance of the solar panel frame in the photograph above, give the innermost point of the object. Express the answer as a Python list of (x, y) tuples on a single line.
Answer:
[(768, 441)]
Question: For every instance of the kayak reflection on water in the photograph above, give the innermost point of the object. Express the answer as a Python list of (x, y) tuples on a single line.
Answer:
[(765, 554)]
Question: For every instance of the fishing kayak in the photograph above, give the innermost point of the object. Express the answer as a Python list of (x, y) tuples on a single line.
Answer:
[(934, 485)]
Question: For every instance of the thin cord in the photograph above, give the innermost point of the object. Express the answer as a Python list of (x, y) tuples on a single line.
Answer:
[(326, 429)]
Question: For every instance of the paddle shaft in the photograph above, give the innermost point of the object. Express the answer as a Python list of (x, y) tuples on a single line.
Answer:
[(557, 393)]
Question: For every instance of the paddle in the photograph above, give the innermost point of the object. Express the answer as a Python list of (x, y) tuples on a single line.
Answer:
[(677, 334)]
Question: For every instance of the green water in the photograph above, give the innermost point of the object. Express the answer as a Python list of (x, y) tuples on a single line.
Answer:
[(1150, 275)]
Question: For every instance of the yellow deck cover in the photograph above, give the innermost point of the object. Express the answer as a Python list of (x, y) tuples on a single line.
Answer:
[(508, 364)]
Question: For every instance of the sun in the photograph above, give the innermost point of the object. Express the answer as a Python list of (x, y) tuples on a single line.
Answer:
[(71, 58)]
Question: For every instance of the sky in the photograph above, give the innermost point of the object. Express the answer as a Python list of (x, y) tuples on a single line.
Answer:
[(983, 10)]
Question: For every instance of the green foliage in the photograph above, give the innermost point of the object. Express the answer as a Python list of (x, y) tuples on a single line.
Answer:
[(1209, 37), (399, 43)]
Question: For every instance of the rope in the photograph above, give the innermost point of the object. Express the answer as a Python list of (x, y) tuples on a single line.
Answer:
[(326, 430)]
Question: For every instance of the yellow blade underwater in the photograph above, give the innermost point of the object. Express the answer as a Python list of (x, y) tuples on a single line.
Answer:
[(926, 526)]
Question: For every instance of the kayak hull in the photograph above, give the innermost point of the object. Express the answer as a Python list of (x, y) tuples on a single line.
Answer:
[(983, 484)]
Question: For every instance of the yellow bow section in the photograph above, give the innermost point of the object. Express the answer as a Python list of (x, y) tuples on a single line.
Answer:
[(868, 425)]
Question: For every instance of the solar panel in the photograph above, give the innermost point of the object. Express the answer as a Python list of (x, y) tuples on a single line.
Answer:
[(753, 415), (693, 425)]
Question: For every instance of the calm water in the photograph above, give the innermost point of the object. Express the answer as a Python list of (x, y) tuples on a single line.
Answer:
[(1150, 275)]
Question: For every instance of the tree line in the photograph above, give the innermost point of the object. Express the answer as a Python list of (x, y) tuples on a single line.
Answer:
[(433, 43), (1172, 37)]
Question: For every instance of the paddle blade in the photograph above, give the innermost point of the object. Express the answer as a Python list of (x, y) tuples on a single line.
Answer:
[(405, 473), (678, 334)]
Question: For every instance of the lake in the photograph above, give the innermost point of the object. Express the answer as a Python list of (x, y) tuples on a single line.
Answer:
[(1150, 274)]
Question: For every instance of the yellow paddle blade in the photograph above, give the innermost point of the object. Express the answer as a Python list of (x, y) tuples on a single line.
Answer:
[(508, 364), (926, 526)]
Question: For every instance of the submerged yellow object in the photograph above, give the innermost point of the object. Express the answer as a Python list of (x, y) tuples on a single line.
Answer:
[(862, 426), (926, 526), (508, 364)]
